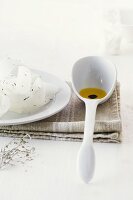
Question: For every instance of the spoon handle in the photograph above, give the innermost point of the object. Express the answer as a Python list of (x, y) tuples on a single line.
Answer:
[(91, 107), (86, 154)]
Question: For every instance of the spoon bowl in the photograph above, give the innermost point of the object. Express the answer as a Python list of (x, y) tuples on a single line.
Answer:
[(91, 72)]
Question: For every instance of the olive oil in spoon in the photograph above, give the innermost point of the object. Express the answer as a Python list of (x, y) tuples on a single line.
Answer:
[(92, 93)]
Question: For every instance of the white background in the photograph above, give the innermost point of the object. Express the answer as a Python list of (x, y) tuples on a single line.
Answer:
[(52, 35)]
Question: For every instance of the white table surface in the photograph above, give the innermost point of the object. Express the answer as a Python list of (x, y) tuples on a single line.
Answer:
[(52, 174)]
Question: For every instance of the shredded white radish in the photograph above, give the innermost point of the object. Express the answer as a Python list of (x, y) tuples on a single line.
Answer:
[(6, 66), (23, 82), (24, 92), (4, 104)]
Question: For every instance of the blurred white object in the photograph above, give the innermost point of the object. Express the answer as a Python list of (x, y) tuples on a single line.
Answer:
[(112, 32), (127, 24)]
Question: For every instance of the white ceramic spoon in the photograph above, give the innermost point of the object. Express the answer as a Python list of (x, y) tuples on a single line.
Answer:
[(91, 72)]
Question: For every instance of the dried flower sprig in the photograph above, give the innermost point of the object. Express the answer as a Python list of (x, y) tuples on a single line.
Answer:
[(15, 152)]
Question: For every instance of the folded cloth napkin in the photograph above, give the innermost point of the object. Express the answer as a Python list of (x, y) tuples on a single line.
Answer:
[(69, 123)]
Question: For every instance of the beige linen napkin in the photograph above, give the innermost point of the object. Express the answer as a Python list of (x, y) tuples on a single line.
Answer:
[(69, 123)]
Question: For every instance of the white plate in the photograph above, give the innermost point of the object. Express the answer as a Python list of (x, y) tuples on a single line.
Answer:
[(61, 100)]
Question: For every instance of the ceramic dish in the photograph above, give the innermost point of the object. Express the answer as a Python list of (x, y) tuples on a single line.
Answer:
[(57, 104)]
